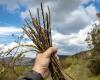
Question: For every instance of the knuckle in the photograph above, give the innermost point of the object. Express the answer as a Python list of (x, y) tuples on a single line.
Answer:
[(38, 55), (52, 48)]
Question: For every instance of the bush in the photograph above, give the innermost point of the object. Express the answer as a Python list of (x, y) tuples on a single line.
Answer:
[(94, 65), (65, 64)]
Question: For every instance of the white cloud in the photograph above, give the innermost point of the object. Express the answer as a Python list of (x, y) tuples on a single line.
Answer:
[(79, 38), (26, 13), (63, 42), (74, 40), (6, 48), (9, 30), (65, 14), (14, 44), (91, 11), (11, 5), (77, 15), (33, 8), (76, 20), (69, 21), (1, 46)]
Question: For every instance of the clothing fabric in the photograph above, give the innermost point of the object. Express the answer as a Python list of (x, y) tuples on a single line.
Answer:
[(31, 75)]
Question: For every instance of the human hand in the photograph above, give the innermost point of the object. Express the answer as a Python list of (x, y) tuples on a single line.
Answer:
[(42, 61)]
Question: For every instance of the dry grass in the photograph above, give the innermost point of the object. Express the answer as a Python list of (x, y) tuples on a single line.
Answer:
[(38, 29)]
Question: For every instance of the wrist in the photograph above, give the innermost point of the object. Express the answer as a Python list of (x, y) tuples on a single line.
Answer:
[(38, 70), (32, 75)]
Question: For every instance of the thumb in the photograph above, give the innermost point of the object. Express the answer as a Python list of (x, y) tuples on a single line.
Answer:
[(49, 52)]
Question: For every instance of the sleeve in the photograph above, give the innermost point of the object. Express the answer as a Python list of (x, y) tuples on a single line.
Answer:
[(31, 75)]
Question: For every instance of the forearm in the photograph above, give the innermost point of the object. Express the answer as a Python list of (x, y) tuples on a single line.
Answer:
[(31, 75), (40, 69)]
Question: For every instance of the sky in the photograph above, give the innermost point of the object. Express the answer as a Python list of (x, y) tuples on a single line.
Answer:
[(71, 20)]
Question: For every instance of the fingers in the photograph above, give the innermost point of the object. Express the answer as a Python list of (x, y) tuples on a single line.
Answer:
[(49, 52), (57, 56)]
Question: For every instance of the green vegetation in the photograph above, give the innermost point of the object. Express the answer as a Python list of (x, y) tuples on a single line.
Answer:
[(82, 66), (93, 41), (94, 65), (10, 74), (80, 71), (93, 38), (77, 69)]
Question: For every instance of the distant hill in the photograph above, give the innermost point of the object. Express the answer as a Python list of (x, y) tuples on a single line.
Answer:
[(25, 61), (61, 57), (74, 65), (83, 54)]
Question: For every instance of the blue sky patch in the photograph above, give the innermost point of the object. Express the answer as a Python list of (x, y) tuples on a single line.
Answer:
[(66, 18)]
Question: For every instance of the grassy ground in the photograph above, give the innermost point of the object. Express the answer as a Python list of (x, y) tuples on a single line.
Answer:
[(74, 67), (79, 71), (9, 74)]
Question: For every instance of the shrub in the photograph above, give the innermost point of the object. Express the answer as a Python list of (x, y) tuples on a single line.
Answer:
[(65, 64), (93, 38), (94, 65)]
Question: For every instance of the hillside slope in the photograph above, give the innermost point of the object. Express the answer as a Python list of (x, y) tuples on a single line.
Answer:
[(78, 66), (75, 66)]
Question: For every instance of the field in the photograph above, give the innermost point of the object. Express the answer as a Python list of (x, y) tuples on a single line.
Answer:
[(9, 74), (74, 66)]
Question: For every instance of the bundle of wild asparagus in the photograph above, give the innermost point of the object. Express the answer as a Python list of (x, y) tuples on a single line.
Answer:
[(40, 33)]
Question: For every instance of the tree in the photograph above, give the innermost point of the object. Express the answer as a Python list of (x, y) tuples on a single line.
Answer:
[(94, 65), (93, 38), (93, 41)]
